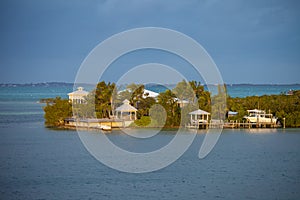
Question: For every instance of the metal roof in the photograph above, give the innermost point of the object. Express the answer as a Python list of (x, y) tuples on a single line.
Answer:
[(149, 93), (126, 107), (79, 92), (199, 112)]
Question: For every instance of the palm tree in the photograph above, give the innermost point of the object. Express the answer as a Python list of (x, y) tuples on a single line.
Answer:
[(167, 100), (103, 99)]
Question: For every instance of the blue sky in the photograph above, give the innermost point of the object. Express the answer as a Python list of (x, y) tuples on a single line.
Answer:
[(250, 41)]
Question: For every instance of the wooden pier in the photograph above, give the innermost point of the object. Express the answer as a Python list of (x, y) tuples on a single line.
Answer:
[(94, 123), (232, 124), (204, 124), (244, 124)]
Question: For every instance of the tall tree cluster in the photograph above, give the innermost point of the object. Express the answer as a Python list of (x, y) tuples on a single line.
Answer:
[(56, 110), (104, 99)]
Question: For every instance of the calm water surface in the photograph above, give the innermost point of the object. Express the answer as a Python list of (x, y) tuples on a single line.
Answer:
[(40, 163)]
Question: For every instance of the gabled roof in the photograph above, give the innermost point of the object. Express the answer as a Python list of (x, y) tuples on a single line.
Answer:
[(79, 92), (126, 107), (199, 112)]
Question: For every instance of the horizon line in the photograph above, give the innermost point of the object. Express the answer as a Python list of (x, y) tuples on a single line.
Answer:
[(69, 83)]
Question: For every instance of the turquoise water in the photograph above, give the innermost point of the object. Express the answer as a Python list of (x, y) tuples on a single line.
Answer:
[(259, 90), (244, 90), (18, 103), (40, 163)]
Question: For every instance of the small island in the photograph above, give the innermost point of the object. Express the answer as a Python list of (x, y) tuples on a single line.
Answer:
[(188, 104)]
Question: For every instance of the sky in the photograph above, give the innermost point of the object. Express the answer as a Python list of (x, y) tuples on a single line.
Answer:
[(254, 42)]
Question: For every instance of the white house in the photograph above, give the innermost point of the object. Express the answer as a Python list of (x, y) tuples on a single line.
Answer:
[(182, 103), (149, 93), (78, 96)]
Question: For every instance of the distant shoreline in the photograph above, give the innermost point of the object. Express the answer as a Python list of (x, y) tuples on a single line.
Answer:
[(171, 84)]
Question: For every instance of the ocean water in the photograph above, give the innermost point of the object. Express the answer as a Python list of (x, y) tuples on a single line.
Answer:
[(41, 163), (259, 90), (243, 90)]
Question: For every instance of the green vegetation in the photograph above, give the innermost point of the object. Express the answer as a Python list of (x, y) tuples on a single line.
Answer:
[(171, 100), (56, 111), (168, 109), (218, 104), (282, 106), (143, 121), (134, 93), (167, 100), (204, 101), (103, 99)]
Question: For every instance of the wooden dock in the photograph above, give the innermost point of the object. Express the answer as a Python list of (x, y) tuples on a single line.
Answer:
[(244, 124), (94, 123), (231, 124)]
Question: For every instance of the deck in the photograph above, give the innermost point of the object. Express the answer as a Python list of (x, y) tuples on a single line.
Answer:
[(232, 124)]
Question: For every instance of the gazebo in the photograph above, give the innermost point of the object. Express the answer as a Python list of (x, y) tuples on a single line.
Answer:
[(199, 117), (126, 111)]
